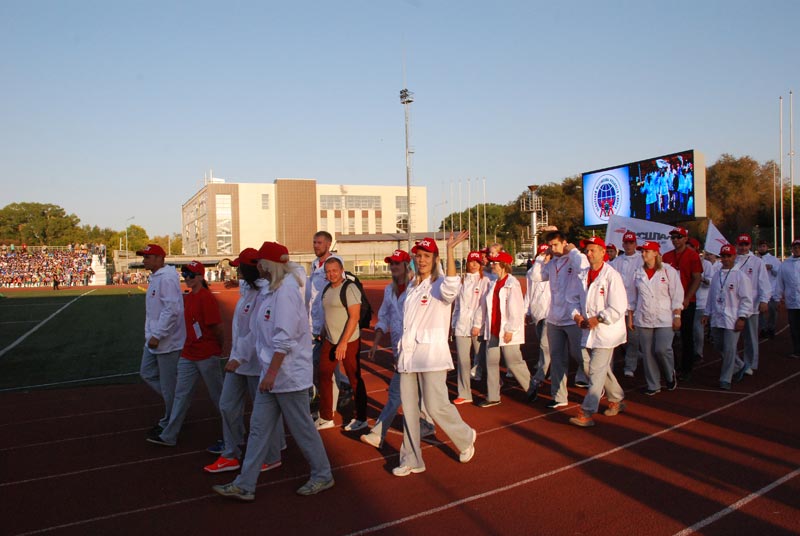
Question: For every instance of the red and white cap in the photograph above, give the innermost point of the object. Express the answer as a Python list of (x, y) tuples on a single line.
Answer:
[(152, 249), (502, 256), (744, 239), (596, 240), (272, 251), (542, 249), (611, 246), (683, 231), (195, 267), (426, 244), (727, 249), (629, 236), (397, 256), (247, 256), (649, 245), (474, 256)]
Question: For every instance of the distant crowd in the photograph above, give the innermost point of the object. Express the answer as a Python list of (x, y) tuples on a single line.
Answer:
[(23, 267)]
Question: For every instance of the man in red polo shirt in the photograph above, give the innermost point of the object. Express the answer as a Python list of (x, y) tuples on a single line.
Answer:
[(687, 262)]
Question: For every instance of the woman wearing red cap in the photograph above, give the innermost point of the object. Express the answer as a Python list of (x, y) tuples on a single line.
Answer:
[(203, 346), (424, 355), (501, 317), (468, 302), (654, 312)]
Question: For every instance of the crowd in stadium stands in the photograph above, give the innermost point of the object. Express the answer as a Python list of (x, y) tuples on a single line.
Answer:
[(23, 266)]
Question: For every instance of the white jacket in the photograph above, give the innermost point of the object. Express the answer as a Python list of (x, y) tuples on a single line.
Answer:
[(701, 296), (537, 297), (282, 326), (315, 284), (390, 315), (772, 274), (243, 337), (627, 265), (426, 324), (565, 290), (605, 296), (654, 299), (760, 286), (470, 296), (788, 286), (512, 312), (729, 298), (164, 311)]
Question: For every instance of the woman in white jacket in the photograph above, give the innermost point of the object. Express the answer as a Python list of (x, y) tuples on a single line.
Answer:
[(283, 343), (502, 319), (470, 296), (654, 310), (424, 355)]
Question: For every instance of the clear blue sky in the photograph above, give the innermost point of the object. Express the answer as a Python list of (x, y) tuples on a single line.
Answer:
[(116, 109)]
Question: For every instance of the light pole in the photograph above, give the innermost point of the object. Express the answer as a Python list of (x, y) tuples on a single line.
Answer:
[(406, 98), (127, 260)]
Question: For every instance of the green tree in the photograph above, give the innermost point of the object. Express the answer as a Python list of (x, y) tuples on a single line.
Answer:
[(37, 224)]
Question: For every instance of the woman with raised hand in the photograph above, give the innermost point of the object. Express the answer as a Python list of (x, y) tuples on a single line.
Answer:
[(424, 355), (283, 343)]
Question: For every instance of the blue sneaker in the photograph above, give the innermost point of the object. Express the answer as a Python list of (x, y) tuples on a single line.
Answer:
[(217, 448)]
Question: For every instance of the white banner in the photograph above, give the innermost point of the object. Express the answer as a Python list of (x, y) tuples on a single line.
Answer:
[(714, 239), (643, 229)]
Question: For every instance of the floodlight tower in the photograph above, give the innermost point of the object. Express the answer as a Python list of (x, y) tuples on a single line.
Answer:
[(406, 98), (532, 203)]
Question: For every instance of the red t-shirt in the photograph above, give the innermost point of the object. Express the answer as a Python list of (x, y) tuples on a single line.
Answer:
[(497, 316), (200, 312), (687, 263)]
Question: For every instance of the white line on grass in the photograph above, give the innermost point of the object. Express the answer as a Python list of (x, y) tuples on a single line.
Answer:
[(452, 504), (40, 324), (738, 504)]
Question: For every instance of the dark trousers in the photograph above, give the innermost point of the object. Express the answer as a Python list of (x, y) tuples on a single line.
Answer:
[(794, 329), (685, 350)]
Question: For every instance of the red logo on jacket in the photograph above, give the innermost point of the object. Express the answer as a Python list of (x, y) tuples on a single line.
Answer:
[(267, 314), (424, 300)]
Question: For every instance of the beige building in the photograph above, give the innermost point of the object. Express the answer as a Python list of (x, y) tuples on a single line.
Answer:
[(223, 218)]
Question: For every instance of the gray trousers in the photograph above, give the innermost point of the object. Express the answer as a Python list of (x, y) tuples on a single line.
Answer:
[(188, 371), (658, 357), (514, 363), (389, 411), (766, 321), (160, 372), (699, 332), (750, 336), (463, 346), (434, 390), (601, 377), (565, 341), (544, 354), (265, 422), (235, 389), (725, 341), (633, 350)]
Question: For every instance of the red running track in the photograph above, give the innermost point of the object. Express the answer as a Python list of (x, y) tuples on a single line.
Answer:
[(74, 461)]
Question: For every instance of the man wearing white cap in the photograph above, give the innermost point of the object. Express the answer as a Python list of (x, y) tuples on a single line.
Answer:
[(164, 329), (761, 291)]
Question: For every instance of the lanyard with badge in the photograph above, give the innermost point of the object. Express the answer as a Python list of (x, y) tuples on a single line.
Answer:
[(721, 297)]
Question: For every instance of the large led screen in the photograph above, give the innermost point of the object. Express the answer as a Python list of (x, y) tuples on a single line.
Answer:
[(666, 189)]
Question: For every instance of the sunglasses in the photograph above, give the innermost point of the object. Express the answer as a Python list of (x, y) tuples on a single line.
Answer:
[(189, 275), (676, 237)]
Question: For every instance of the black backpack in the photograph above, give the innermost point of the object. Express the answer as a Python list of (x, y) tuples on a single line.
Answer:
[(365, 317)]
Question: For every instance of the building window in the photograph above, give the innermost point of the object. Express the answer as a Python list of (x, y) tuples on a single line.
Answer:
[(224, 229), (401, 204), (264, 201), (330, 202), (351, 222), (364, 222)]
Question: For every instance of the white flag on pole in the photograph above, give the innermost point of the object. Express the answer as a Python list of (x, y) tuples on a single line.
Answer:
[(714, 239)]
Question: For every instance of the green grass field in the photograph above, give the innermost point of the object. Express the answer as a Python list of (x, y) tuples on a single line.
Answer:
[(98, 335)]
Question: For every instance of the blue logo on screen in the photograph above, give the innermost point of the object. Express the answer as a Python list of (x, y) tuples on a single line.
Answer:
[(606, 196)]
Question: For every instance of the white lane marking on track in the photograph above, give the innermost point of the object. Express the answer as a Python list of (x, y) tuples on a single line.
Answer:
[(40, 324), (67, 382), (447, 506), (738, 504)]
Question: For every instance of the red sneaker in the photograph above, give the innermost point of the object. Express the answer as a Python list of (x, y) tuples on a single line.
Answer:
[(458, 401), (271, 466), (582, 419), (222, 464)]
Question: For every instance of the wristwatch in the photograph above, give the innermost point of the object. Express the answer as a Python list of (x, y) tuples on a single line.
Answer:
[(601, 318)]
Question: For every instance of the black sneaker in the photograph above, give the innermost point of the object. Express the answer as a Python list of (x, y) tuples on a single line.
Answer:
[(533, 393), (671, 386), (582, 384), (156, 440), (553, 404), (488, 403), (217, 448), (651, 392)]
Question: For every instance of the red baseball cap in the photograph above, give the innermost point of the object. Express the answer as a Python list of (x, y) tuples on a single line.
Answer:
[(680, 231), (542, 248), (247, 256), (474, 256), (152, 249), (629, 236), (596, 240), (744, 239), (502, 256), (727, 249), (272, 251), (398, 256), (695, 243), (649, 245), (611, 246), (426, 244), (194, 267)]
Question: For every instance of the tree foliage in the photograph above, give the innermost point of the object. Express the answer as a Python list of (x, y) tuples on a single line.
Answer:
[(37, 224)]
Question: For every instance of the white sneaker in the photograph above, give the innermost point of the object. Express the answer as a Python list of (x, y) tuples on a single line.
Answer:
[(469, 452), (629, 374), (372, 439), (323, 424), (405, 470), (509, 374), (355, 425)]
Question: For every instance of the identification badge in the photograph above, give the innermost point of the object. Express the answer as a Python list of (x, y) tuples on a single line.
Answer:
[(197, 331)]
